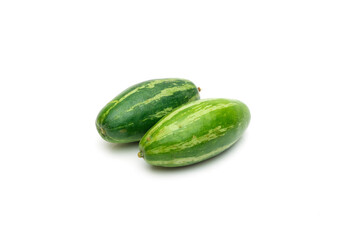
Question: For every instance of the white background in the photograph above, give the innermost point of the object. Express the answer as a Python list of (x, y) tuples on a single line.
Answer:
[(62, 61)]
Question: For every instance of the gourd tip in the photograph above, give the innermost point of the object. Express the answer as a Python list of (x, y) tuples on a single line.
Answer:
[(140, 154), (199, 89)]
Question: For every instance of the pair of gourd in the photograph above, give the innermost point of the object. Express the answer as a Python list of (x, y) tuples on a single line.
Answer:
[(174, 126)]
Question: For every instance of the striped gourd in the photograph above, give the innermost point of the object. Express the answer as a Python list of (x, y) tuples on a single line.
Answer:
[(194, 132), (129, 115)]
